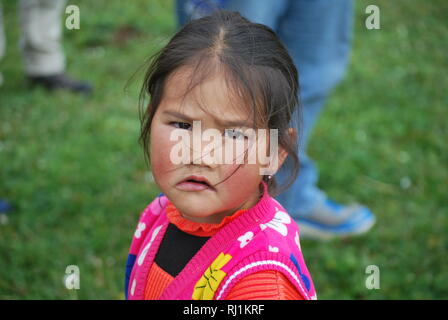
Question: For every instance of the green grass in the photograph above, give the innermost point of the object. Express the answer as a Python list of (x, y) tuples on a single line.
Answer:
[(77, 175)]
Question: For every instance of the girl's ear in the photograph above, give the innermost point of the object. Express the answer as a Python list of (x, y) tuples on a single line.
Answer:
[(282, 153)]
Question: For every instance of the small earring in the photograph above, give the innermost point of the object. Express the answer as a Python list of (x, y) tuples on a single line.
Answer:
[(269, 177)]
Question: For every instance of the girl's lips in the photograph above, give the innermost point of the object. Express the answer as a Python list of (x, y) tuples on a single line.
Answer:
[(194, 183), (192, 186)]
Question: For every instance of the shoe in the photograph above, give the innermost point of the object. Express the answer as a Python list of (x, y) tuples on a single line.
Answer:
[(60, 82), (329, 220)]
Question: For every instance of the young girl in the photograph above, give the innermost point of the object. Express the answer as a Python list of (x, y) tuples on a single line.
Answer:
[(216, 232)]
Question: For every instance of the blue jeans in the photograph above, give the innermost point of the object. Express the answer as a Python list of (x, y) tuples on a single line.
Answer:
[(317, 34)]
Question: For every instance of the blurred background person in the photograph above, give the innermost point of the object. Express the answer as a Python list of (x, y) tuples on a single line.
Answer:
[(43, 57), (318, 36)]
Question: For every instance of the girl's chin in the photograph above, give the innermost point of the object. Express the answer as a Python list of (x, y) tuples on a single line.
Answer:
[(200, 215)]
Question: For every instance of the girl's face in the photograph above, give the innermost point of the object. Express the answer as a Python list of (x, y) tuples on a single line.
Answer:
[(231, 186)]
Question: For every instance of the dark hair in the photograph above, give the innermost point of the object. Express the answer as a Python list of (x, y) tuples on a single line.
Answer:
[(256, 66)]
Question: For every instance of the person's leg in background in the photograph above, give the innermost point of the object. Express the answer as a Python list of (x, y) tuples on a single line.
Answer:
[(44, 60), (181, 14), (317, 34), (187, 10)]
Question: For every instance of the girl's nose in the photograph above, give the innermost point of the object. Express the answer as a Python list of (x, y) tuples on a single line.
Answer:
[(205, 156), (206, 147)]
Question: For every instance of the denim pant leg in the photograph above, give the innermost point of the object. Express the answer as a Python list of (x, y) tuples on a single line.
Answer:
[(317, 34), (181, 15), (187, 10), (267, 12)]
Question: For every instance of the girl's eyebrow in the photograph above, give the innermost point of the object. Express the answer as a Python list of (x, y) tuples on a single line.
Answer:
[(221, 123), (177, 115)]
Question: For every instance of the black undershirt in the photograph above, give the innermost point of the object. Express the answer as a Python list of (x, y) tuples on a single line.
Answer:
[(177, 249)]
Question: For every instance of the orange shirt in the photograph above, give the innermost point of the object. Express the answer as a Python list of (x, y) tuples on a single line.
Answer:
[(263, 285)]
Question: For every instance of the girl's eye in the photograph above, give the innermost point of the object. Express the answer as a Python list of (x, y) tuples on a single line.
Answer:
[(234, 134), (181, 125)]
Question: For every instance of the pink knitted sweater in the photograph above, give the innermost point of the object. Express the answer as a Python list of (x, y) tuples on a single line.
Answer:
[(263, 238)]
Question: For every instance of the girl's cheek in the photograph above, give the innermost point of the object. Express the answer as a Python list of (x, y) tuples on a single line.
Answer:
[(237, 173), (160, 152)]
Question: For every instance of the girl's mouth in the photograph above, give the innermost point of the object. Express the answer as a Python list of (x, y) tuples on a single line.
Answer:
[(195, 183)]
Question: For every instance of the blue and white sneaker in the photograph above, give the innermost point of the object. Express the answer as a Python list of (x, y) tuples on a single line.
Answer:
[(329, 220)]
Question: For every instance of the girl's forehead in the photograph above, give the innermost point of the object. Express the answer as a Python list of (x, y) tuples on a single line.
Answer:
[(211, 95)]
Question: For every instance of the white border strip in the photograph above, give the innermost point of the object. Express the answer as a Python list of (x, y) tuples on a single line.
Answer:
[(256, 264)]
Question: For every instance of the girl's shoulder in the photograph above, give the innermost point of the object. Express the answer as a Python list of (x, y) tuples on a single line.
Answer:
[(269, 245), (280, 227), (154, 209), (147, 219), (276, 233)]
